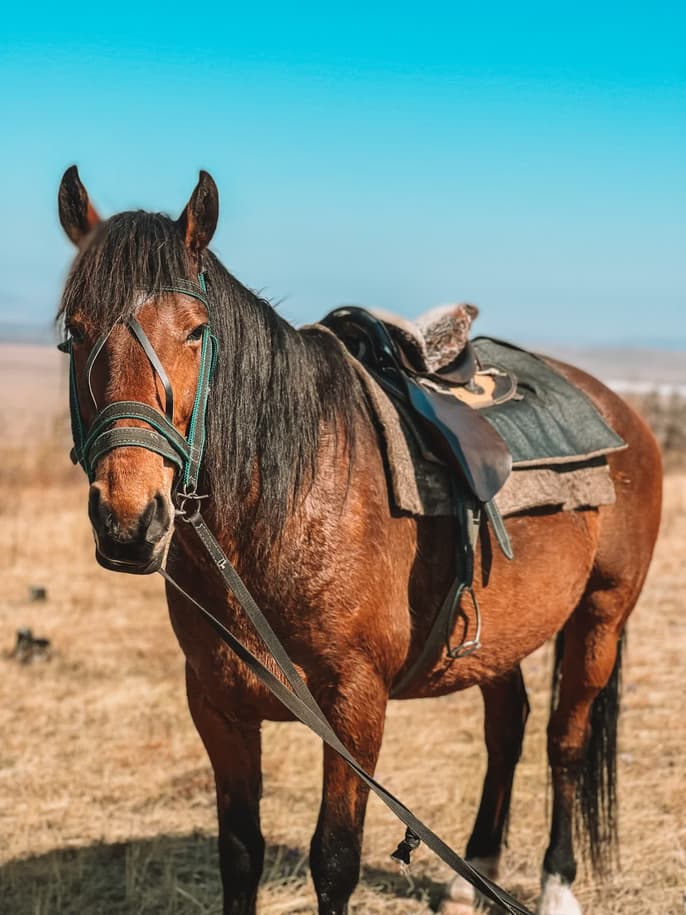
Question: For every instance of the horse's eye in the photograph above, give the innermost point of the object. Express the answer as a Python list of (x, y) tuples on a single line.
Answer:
[(75, 332), (196, 334)]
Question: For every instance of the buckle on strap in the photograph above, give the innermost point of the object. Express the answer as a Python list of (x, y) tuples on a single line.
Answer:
[(184, 498)]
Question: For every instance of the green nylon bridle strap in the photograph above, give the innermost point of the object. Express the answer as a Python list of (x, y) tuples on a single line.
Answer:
[(133, 409), (162, 437)]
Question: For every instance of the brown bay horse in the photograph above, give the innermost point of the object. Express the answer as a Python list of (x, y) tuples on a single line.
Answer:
[(298, 500)]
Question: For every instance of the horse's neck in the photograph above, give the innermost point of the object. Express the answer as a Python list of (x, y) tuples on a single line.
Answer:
[(310, 533)]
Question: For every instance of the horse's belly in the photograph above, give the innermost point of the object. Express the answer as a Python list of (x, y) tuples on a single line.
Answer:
[(525, 602)]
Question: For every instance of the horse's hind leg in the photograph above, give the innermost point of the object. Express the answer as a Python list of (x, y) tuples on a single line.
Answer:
[(582, 727), (506, 709), (234, 752), (582, 743), (357, 715)]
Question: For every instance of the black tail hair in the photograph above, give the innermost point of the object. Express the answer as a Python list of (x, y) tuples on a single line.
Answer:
[(596, 789)]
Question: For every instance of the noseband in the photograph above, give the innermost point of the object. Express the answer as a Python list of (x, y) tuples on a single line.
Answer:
[(185, 452)]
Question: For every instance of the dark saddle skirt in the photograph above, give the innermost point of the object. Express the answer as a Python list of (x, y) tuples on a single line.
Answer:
[(421, 366)]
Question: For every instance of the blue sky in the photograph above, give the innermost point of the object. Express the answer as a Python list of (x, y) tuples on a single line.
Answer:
[(526, 157)]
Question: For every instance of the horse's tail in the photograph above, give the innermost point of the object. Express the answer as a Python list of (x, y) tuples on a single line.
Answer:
[(596, 790)]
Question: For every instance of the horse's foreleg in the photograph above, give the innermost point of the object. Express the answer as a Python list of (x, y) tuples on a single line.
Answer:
[(357, 715), (506, 709), (234, 750)]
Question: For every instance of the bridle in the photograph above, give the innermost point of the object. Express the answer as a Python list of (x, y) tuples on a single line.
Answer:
[(186, 452), (162, 437)]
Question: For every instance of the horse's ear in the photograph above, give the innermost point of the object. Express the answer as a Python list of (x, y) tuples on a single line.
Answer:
[(199, 219), (77, 214)]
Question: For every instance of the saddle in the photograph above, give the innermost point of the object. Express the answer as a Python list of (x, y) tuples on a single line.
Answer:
[(431, 373), (440, 404)]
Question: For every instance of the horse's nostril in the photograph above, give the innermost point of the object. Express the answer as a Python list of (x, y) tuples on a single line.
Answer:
[(156, 519), (148, 515), (94, 503), (100, 514), (148, 527)]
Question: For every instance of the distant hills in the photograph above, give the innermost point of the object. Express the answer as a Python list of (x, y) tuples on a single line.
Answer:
[(628, 369), (27, 332)]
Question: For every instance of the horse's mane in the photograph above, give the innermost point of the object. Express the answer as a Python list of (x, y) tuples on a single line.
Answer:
[(275, 388)]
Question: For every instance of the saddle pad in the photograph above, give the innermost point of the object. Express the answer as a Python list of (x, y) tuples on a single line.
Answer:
[(422, 487), (564, 487), (550, 421)]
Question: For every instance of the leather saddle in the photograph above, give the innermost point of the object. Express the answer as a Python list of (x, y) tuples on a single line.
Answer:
[(425, 386)]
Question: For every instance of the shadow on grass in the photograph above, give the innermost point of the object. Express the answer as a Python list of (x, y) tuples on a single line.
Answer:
[(178, 875)]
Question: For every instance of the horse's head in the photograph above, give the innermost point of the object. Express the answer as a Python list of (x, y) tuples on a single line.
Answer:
[(135, 312)]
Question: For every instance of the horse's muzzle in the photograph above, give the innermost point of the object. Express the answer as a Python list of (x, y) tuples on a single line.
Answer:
[(135, 545)]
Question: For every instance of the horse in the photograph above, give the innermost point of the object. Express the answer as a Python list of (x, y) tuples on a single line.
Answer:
[(298, 500)]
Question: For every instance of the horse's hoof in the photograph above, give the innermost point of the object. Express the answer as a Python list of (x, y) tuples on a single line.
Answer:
[(557, 897), (456, 908), (461, 897)]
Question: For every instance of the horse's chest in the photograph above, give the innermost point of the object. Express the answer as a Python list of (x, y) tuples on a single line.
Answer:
[(227, 682)]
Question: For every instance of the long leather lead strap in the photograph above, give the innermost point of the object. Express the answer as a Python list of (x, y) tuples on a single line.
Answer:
[(300, 701)]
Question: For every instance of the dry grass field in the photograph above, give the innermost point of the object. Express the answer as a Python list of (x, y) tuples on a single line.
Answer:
[(106, 797)]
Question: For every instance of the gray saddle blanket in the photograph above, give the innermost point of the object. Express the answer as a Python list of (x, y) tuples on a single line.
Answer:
[(550, 421), (557, 438)]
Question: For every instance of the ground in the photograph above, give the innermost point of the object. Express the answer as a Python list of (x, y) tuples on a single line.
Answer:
[(106, 797)]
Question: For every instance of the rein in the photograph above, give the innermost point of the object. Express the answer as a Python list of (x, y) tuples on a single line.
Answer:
[(186, 453)]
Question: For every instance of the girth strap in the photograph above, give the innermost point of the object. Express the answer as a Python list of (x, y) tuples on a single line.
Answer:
[(440, 632)]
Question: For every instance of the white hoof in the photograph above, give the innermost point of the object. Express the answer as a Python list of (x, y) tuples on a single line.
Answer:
[(460, 896), (557, 897), (447, 907)]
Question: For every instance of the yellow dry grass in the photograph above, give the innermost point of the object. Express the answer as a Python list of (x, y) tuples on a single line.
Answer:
[(106, 797)]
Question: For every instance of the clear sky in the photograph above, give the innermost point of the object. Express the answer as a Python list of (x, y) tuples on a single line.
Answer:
[(527, 157)]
